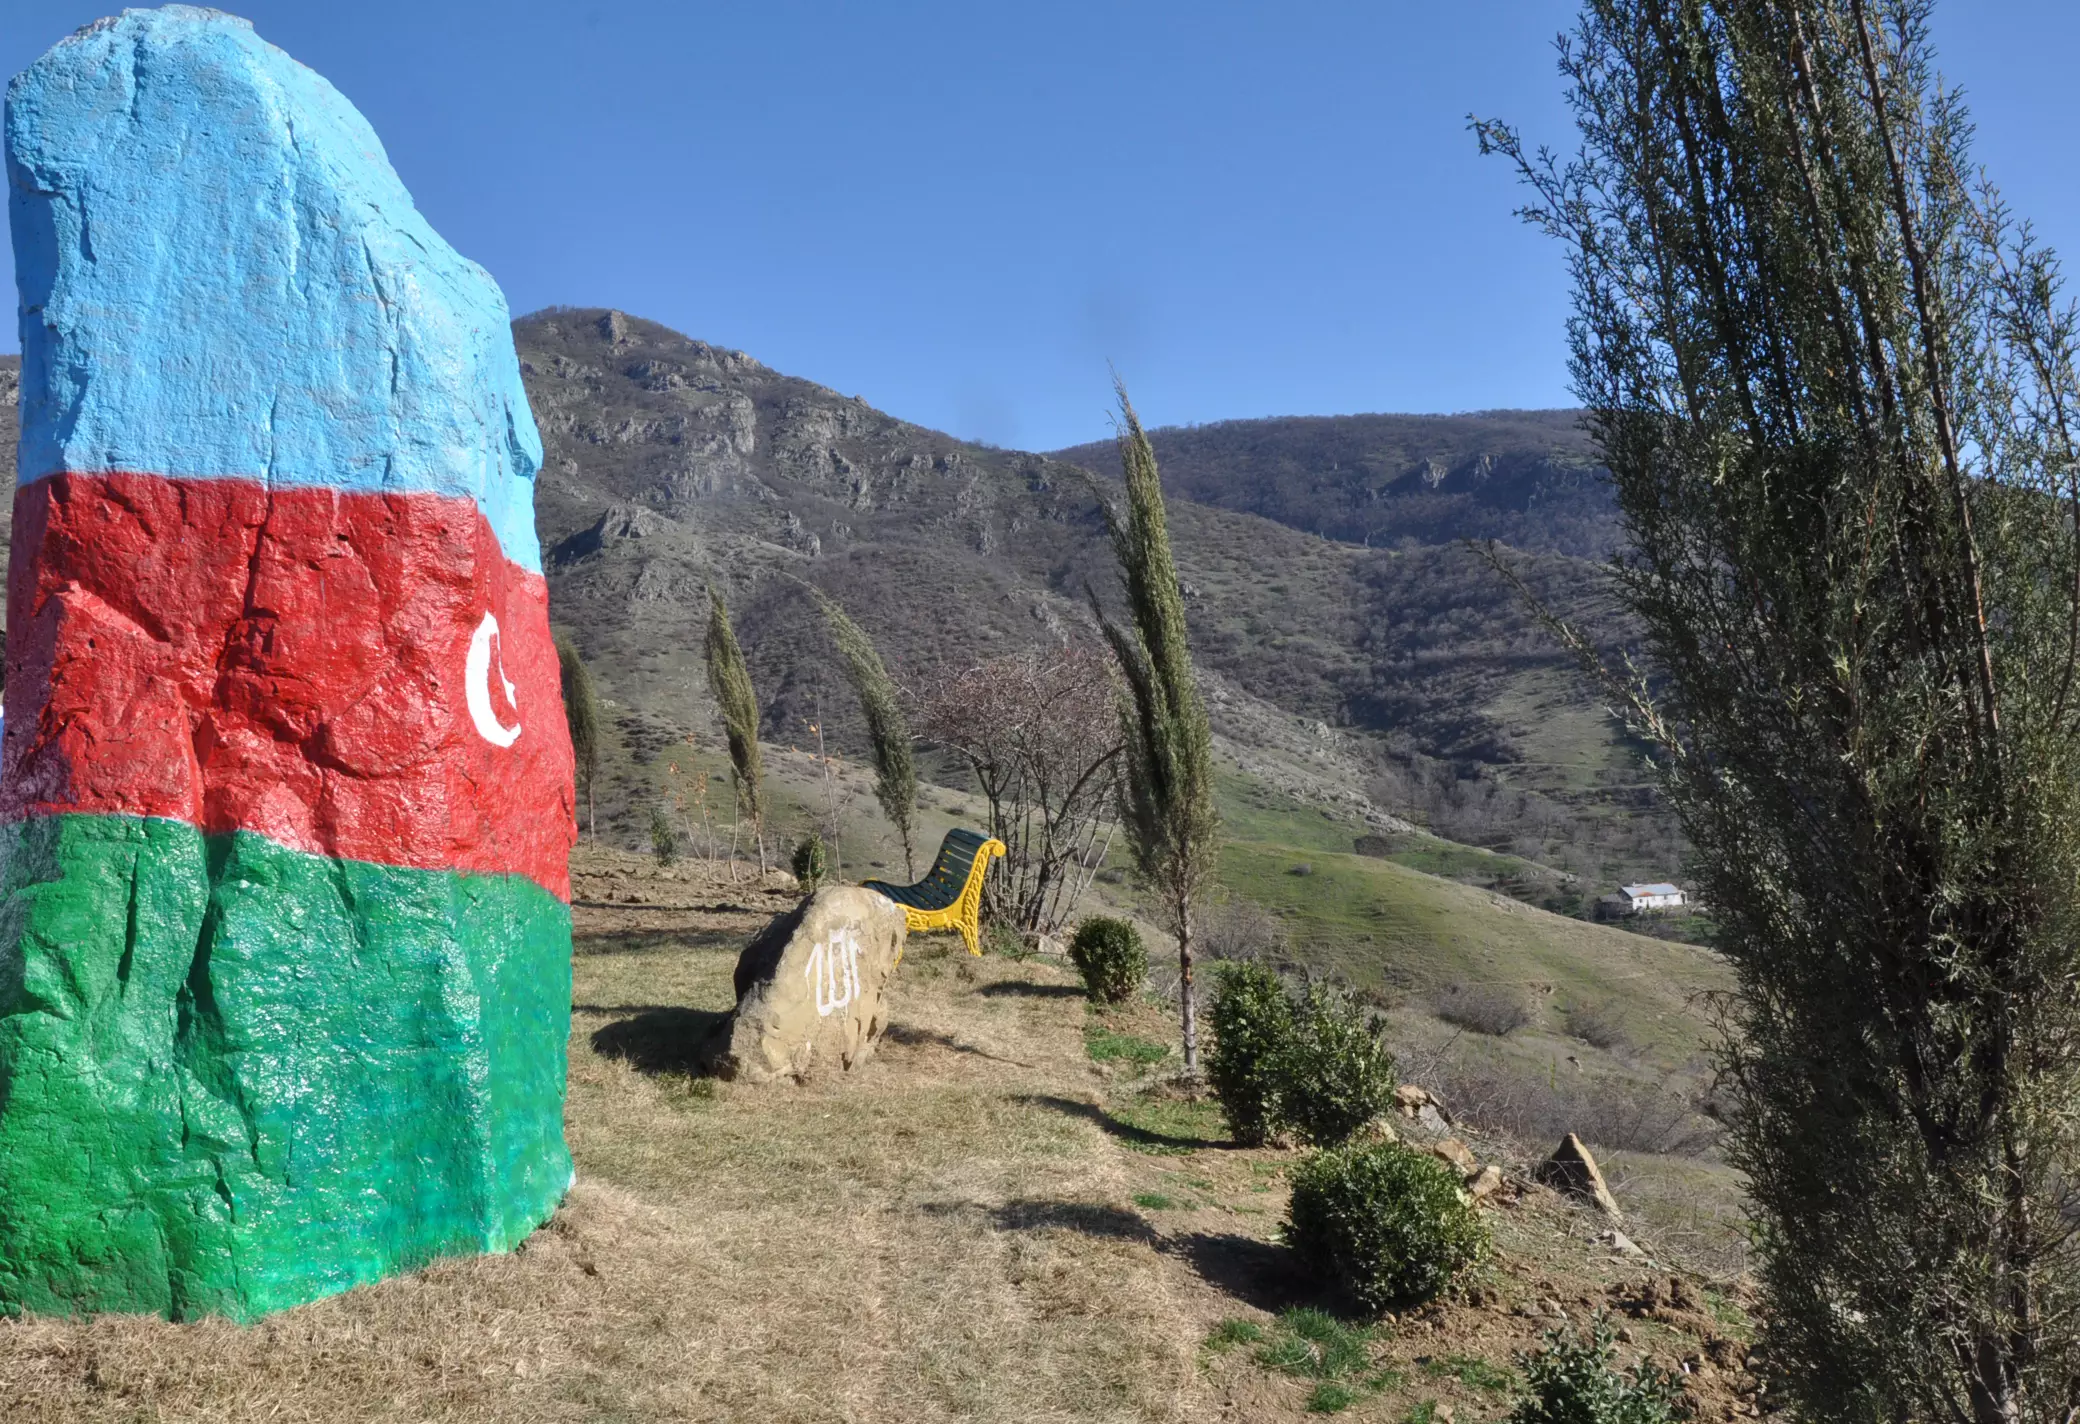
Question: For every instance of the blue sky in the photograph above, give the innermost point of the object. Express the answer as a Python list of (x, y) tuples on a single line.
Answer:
[(963, 211)]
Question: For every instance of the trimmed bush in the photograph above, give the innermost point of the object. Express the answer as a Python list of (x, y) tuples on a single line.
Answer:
[(810, 864), (1333, 1076), (1108, 953), (1571, 1381), (1252, 1030), (1385, 1223)]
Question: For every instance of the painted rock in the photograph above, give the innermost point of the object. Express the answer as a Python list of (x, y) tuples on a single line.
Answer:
[(285, 782), (812, 989)]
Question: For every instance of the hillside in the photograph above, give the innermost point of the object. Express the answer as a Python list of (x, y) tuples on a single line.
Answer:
[(1526, 477), (1396, 683), (1421, 684)]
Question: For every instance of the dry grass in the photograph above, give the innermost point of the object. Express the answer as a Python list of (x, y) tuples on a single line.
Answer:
[(980, 1224)]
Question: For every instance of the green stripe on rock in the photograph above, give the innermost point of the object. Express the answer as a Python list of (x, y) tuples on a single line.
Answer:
[(236, 1077)]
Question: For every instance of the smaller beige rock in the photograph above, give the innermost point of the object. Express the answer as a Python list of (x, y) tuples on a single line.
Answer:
[(1457, 1155), (1484, 1183), (812, 989), (1379, 1129), (1572, 1170), (1624, 1245), (1410, 1098)]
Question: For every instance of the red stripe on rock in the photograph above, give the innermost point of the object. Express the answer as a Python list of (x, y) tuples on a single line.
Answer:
[(286, 661)]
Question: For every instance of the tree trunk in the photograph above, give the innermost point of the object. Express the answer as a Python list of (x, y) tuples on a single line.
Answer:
[(591, 816), (1188, 1007)]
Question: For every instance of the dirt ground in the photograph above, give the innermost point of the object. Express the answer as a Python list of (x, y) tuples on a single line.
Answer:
[(1003, 1216)]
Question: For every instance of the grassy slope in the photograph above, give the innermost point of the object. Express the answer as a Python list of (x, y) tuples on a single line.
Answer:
[(981, 1224), (1412, 922)]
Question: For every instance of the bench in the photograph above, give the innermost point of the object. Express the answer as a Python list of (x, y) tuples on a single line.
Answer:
[(950, 895)]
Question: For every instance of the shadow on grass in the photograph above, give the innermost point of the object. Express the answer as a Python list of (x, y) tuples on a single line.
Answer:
[(1109, 1223), (1130, 1133), (1015, 989), (1259, 1273), (656, 1039), (584, 943), (911, 1037), (1086, 1218)]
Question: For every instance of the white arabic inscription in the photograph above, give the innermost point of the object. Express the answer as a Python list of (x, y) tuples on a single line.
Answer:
[(834, 971)]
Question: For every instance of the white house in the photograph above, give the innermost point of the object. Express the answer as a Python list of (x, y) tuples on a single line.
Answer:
[(1639, 899)]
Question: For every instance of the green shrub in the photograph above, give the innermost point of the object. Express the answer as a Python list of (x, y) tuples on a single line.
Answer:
[(1570, 1381), (810, 863), (1334, 1076), (1252, 1028), (1109, 955), (664, 841), (1387, 1224)]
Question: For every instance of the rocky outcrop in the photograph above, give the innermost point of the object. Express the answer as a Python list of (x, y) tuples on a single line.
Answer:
[(286, 785), (812, 989), (1572, 1170)]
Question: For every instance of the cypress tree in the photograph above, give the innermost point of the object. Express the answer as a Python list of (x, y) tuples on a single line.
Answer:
[(581, 711), (1166, 789), (730, 681), (888, 730), (1833, 380)]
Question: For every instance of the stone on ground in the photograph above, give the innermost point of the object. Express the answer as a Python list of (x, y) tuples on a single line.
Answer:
[(1573, 1171), (812, 989), (1456, 1155), (285, 786)]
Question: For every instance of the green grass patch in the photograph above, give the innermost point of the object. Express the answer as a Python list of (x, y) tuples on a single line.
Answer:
[(1104, 1045), (1314, 1345), (1230, 1333), (1253, 811), (1332, 1397), (1155, 1201), (1728, 1314), (1471, 1371), (1168, 1126)]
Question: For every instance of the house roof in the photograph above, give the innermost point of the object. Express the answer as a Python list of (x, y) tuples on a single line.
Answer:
[(1641, 892)]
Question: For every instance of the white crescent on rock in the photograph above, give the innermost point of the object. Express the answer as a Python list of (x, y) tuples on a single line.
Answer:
[(476, 672)]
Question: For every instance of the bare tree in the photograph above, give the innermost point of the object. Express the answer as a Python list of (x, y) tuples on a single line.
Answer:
[(1041, 736)]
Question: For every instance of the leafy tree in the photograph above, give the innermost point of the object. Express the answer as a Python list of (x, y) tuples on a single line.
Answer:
[(888, 730), (730, 681), (1833, 380), (581, 710), (1166, 791)]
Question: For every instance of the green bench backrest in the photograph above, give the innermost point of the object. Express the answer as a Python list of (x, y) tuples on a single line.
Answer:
[(948, 876)]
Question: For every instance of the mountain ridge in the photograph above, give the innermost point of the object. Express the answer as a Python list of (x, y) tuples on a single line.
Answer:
[(1398, 683)]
